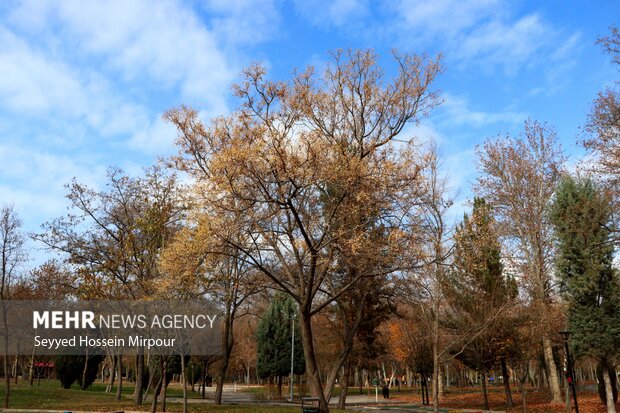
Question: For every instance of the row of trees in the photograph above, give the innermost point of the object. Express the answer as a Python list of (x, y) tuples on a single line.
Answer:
[(308, 190)]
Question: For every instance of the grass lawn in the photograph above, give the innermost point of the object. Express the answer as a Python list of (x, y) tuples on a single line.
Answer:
[(49, 395)]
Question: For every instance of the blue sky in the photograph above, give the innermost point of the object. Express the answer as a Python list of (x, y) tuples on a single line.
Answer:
[(83, 84)]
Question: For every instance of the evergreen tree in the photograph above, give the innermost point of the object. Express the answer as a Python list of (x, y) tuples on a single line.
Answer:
[(479, 292), (581, 214), (274, 341), (85, 379), (70, 369)]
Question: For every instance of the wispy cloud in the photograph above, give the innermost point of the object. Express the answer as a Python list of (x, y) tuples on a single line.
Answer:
[(87, 82), (485, 34), (163, 43), (510, 45), (427, 21), (335, 13), (458, 111), (243, 22)]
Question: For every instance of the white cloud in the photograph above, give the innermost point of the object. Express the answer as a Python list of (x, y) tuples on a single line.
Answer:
[(561, 61), (156, 138), (424, 132), (34, 180), (38, 86), (243, 21), (335, 13), (481, 33), (30, 82), (509, 45), (83, 84), (458, 112), (163, 42), (444, 18)]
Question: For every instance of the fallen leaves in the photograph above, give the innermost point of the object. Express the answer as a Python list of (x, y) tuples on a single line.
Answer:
[(537, 401)]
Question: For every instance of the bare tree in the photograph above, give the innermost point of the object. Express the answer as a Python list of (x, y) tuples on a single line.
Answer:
[(13, 255), (518, 177), (603, 141), (429, 280), (604, 118), (114, 236)]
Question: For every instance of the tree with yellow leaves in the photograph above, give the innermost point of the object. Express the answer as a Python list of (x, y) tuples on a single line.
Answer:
[(197, 264), (297, 158)]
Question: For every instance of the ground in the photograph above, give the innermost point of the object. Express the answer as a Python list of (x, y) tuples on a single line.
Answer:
[(239, 399), (537, 401)]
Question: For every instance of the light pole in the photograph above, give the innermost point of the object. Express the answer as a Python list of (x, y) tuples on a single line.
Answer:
[(571, 374), (292, 353), (292, 318)]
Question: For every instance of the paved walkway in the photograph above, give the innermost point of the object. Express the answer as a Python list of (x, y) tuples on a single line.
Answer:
[(360, 403), (411, 408)]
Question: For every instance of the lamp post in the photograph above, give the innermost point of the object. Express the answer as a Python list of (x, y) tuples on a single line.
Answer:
[(571, 374), (292, 353), (292, 318)]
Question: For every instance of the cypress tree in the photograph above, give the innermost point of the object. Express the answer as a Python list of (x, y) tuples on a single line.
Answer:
[(274, 341), (479, 291), (581, 215), (70, 369)]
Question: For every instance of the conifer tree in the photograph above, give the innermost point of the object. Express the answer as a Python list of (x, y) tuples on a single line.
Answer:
[(479, 291), (581, 214), (274, 341)]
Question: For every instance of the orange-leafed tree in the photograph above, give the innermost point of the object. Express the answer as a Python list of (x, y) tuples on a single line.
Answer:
[(298, 158)]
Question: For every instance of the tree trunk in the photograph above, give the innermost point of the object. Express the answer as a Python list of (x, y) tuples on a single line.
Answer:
[(279, 387), (611, 408), (484, 390), (409, 378), (7, 376), (344, 385), (343, 357), (83, 386), (118, 362), (15, 368), (219, 387), (204, 386), (159, 386), (31, 372), (506, 383), (139, 389), (312, 370), (149, 384), (552, 373), (165, 388), (362, 379), (183, 375), (436, 366), (228, 341), (110, 385), (440, 392), (522, 381), (191, 373)]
